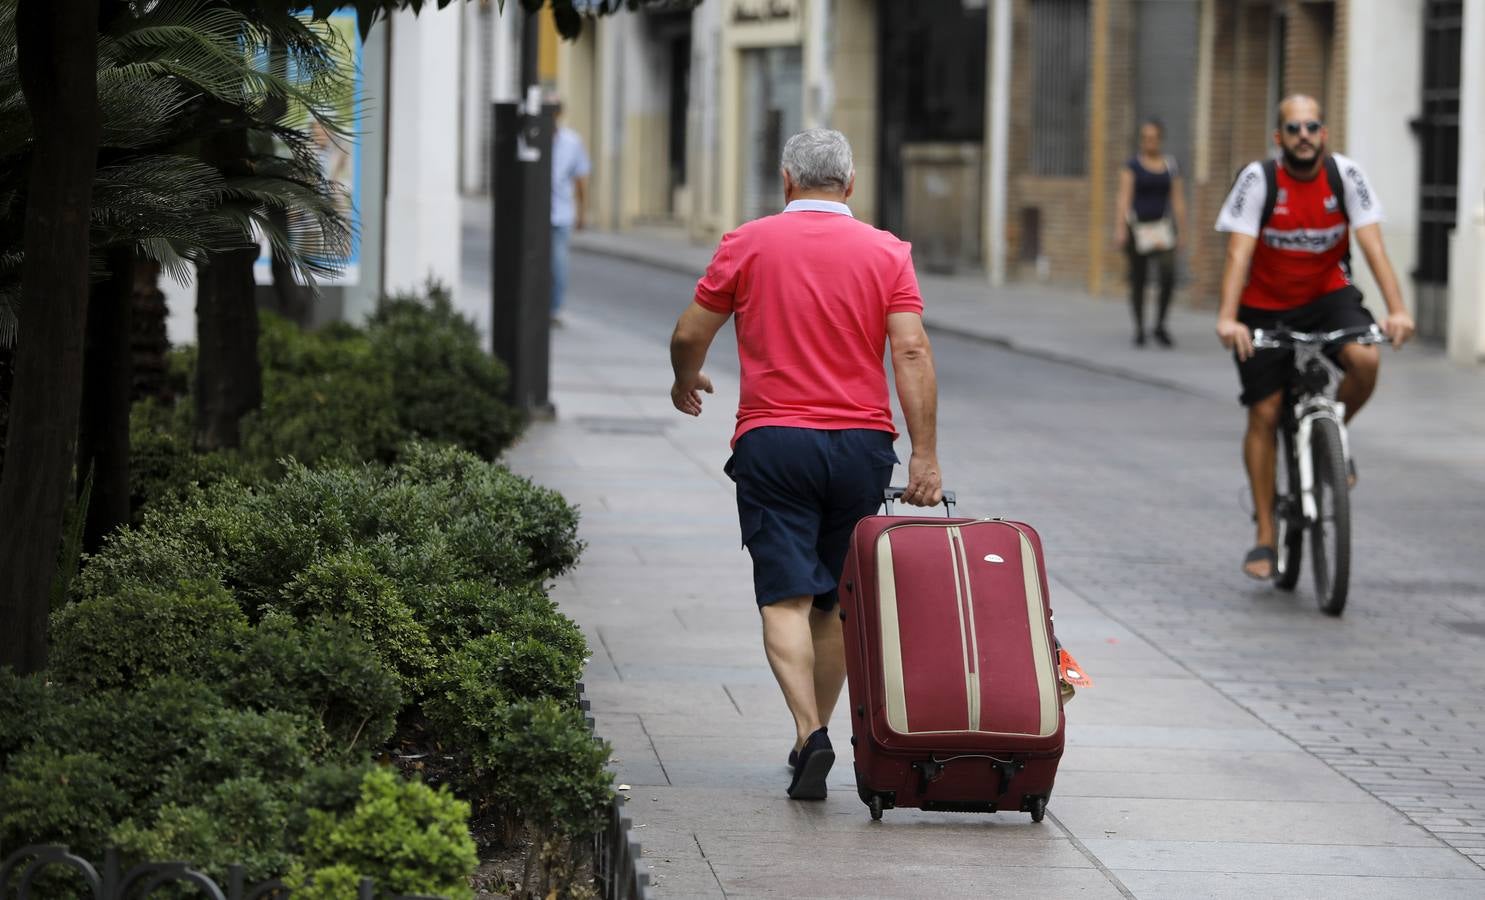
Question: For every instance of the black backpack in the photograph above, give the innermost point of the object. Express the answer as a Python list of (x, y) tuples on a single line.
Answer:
[(1271, 196)]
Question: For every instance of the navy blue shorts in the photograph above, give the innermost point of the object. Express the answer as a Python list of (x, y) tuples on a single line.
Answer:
[(800, 491)]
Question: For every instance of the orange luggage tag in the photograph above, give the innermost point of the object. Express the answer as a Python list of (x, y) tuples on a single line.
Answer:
[(1069, 670)]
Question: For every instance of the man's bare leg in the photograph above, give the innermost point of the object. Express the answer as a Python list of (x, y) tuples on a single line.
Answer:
[(1361, 363), (830, 661), (790, 645), (1260, 454)]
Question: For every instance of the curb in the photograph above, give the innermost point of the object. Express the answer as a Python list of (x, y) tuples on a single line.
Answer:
[(617, 862)]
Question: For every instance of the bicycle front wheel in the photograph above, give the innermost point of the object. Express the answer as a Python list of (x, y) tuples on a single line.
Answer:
[(1330, 533)]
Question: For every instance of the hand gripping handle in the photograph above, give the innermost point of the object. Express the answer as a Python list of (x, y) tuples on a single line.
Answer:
[(894, 494)]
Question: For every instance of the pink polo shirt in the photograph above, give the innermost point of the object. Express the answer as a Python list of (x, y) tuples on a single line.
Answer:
[(811, 288)]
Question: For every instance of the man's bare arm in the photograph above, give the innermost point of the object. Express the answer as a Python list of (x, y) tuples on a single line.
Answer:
[(1399, 325), (917, 392), (693, 336), (1234, 334), (580, 199)]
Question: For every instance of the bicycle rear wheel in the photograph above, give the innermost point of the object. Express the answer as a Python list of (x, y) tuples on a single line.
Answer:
[(1288, 516), (1330, 533)]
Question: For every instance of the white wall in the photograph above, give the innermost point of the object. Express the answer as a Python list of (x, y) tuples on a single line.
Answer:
[(1382, 99), (422, 204), (1467, 249)]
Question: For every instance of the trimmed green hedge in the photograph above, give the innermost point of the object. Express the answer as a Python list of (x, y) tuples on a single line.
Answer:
[(342, 394), (361, 577)]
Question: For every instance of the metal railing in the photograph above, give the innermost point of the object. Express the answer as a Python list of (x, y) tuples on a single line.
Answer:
[(617, 868), (20, 870)]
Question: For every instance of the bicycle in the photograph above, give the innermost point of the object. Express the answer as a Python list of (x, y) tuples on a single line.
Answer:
[(1312, 493)]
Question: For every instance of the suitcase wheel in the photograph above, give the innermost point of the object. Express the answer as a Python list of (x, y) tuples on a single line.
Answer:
[(876, 808), (1038, 809)]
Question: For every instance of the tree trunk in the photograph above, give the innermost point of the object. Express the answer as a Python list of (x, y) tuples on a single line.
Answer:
[(292, 300), (150, 337), (229, 381), (58, 61), (108, 377)]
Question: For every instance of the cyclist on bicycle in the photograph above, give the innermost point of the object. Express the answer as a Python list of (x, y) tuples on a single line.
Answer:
[(1288, 264)]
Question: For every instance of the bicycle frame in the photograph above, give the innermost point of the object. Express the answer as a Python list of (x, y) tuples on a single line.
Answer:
[(1310, 396)]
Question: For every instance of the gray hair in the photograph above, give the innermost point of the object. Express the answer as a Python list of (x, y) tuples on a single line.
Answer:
[(819, 159)]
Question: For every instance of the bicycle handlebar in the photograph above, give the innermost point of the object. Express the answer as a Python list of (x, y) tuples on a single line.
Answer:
[(1273, 339)]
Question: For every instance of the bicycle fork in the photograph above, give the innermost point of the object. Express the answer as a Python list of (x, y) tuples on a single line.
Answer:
[(1336, 412)]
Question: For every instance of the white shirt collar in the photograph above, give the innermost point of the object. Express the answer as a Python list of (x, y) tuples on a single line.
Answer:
[(827, 206)]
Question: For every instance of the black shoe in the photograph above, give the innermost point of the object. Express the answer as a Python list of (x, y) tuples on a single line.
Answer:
[(793, 758), (813, 765), (1163, 338), (1139, 339)]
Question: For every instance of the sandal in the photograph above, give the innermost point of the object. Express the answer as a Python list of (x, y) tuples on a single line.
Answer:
[(1261, 553)]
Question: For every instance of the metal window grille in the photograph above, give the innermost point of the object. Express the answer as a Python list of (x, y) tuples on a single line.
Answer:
[(1059, 87)]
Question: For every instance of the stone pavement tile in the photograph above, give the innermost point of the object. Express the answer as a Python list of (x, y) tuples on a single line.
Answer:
[(1286, 859), (1174, 738), (683, 878), (828, 877), (665, 640), (1257, 821), (1122, 700), (720, 722), (1148, 885), (650, 697), (860, 848), (1235, 784), (1156, 760)]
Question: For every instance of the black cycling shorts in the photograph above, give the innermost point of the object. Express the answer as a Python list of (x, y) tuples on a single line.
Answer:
[(1266, 371)]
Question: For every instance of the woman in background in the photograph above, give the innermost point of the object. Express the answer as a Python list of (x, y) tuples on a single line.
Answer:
[(1150, 224)]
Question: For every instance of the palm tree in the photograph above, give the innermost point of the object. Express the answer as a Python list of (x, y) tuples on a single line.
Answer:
[(176, 80)]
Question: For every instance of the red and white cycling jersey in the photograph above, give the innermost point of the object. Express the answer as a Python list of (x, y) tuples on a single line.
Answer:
[(1299, 253)]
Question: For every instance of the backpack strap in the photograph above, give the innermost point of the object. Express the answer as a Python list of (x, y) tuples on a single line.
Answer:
[(1337, 186), (1338, 190), (1270, 190)]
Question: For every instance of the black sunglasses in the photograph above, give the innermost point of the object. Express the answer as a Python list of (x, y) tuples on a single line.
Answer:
[(1310, 127)]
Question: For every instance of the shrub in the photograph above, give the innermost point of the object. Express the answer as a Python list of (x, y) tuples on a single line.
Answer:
[(477, 682), (25, 705), (446, 388), (489, 498), (342, 413), (406, 836), (141, 632), (52, 797), (142, 732), (379, 547), (542, 765), (325, 670), (231, 744), (346, 584), (165, 467), (239, 821)]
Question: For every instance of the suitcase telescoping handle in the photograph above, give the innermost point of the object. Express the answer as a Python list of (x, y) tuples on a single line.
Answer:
[(894, 493)]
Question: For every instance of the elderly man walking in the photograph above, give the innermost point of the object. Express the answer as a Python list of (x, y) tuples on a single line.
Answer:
[(817, 296)]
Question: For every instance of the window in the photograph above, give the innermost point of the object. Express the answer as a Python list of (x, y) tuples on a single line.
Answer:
[(1059, 87)]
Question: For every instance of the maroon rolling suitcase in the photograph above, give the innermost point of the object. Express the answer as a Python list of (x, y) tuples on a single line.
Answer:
[(951, 662)]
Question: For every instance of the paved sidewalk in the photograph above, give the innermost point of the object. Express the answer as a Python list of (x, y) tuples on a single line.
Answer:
[(1169, 787)]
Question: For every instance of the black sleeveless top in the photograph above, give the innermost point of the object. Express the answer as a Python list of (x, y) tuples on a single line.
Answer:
[(1151, 190)]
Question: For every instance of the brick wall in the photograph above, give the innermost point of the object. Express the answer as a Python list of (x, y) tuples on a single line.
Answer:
[(1241, 131), (1064, 204)]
